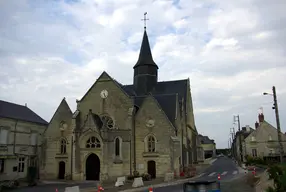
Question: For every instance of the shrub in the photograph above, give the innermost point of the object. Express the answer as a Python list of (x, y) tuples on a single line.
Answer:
[(146, 177), (136, 174), (255, 161), (278, 174)]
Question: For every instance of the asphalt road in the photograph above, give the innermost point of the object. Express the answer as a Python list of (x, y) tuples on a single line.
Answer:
[(231, 179)]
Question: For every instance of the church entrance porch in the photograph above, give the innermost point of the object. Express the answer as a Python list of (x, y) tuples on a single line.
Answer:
[(151, 167), (62, 170), (92, 167)]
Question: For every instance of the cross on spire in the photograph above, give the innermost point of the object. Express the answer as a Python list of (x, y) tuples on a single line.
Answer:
[(145, 19)]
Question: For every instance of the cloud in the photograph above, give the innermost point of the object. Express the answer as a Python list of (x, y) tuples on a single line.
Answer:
[(231, 51)]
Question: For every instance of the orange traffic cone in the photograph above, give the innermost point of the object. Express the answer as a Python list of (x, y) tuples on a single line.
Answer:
[(100, 188), (150, 189)]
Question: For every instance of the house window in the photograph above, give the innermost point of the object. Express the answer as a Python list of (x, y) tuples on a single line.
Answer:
[(151, 144), (270, 138), (117, 147), (21, 164), (2, 165), (271, 151), (34, 139), (63, 149), (253, 138), (254, 152), (4, 136), (93, 142)]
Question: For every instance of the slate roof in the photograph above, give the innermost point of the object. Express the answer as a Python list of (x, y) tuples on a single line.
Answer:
[(167, 103), (165, 92), (145, 55), (20, 112), (205, 140)]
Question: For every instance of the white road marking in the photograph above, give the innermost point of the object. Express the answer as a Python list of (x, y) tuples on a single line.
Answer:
[(224, 173), (234, 173), (212, 174), (202, 174)]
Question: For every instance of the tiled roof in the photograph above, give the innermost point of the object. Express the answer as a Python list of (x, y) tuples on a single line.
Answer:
[(20, 112)]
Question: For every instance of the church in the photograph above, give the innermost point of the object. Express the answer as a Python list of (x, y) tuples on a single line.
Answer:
[(118, 130)]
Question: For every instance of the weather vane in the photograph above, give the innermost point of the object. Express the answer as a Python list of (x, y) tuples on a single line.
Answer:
[(145, 19)]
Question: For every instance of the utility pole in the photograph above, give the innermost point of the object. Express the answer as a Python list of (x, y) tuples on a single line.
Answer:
[(236, 119), (275, 107), (232, 133)]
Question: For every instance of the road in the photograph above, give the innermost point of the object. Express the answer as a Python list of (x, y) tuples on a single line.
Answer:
[(231, 180)]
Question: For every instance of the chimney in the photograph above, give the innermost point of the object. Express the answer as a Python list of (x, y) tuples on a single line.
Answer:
[(25, 104), (261, 117), (256, 125), (247, 128), (243, 128)]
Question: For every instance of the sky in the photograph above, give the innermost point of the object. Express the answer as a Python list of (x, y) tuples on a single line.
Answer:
[(232, 51)]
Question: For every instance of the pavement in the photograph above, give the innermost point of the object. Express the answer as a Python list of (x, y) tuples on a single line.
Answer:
[(232, 179)]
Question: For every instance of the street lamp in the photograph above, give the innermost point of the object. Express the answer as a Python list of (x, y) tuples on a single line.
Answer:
[(275, 107)]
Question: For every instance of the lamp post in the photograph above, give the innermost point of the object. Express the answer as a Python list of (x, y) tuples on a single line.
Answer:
[(275, 107)]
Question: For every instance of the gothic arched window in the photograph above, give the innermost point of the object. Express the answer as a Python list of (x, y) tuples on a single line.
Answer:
[(107, 121), (117, 147), (93, 142), (151, 144), (63, 148)]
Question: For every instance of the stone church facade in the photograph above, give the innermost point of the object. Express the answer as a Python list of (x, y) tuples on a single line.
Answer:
[(117, 129)]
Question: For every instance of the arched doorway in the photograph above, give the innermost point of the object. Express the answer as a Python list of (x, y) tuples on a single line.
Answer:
[(92, 167), (62, 170), (151, 166)]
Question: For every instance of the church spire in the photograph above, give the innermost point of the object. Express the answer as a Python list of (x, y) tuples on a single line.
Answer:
[(145, 55), (145, 70)]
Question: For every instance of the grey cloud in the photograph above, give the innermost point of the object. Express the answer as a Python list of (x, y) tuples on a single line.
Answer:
[(51, 50)]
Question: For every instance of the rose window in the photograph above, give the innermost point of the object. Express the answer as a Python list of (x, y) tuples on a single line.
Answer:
[(108, 122)]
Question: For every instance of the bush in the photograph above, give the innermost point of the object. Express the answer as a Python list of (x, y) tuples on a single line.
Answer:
[(255, 161), (278, 174), (146, 177), (136, 174)]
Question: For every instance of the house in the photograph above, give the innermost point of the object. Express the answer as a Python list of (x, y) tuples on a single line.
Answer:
[(243, 133), (263, 141), (208, 146), (20, 139), (117, 130)]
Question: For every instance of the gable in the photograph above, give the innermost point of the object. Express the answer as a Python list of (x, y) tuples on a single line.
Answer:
[(163, 104), (262, 132), (92, 123), (104, 77), (62, 113)]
